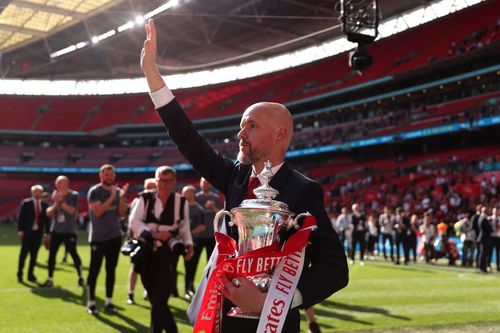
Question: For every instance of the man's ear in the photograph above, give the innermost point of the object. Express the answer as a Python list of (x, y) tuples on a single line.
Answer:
[(281, 133)]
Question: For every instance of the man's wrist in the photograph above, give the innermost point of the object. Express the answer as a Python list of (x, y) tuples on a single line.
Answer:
[(161, 97)]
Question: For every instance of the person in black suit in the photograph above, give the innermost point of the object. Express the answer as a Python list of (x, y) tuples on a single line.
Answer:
[(32, 224), (266, 132), (475, 226), (484, 240), (359, 229)]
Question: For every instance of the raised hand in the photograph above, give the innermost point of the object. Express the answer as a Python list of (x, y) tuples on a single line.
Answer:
[(58, 197), (113, 192), (148, 58), (148, 53), (124, 190)]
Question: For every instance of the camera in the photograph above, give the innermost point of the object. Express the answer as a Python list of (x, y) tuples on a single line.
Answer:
[(359, 60), (129, 246), (143, 249), (175, 244)]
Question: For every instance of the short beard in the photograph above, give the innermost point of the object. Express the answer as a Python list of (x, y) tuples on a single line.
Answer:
[(242, 158), (252, 157), (107, 183)]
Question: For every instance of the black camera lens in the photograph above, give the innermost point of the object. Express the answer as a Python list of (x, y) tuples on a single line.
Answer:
[(176, 246)]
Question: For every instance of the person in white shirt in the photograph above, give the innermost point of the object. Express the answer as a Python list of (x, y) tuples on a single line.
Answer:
[(428, 232), (342, 223), (386, 222), (160, 221)]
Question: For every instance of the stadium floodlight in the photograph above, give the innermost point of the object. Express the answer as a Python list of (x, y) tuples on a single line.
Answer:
[(126, 26), (139, 19), (162, 8), (360, 20)]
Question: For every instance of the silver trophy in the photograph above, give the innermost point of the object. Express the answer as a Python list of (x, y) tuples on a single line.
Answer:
[(260, 221)]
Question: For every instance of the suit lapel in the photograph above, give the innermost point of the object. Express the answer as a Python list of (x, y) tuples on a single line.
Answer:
[(279, 179), (241, 184)]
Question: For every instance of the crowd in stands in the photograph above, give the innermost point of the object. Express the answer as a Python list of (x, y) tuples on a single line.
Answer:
[(479, 39), (383, 121)]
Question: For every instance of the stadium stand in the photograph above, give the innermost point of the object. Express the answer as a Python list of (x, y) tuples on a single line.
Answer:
[(307, 90)]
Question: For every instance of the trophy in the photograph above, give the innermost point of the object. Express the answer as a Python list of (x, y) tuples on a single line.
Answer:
[(261, 222)]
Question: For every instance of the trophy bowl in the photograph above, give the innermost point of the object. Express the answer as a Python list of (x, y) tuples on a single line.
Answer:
[(260, 223)]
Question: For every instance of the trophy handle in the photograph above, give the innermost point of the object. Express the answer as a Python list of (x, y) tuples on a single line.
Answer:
[(295, 222), (220, 214)]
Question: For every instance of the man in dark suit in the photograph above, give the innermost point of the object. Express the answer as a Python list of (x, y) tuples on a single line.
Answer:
[(31, 225), (266, 131), (484, 240)]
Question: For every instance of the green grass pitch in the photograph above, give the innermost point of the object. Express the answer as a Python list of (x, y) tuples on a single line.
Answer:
[(380, 297)]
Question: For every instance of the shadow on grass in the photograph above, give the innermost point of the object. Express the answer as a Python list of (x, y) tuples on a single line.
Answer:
[(79, 299), (64, 267), (179, 314), (60, 293), (133, 326), (421, 268), (356, 308)]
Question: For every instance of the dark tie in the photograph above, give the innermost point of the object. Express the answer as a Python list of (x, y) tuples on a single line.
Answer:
[(253, 183), (37, 213)]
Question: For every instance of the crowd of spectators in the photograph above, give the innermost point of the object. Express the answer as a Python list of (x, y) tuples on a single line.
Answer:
[(479, 39), (447, 195)]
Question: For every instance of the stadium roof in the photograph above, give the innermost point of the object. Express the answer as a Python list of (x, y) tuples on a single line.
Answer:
[(98, 39)]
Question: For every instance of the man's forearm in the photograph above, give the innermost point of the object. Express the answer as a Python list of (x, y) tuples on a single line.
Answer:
[(155, 81)]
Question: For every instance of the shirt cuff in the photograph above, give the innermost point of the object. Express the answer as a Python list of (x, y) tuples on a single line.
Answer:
[(297, 299), (161, 97)]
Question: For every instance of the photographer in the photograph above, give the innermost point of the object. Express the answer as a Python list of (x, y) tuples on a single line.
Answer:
[(161, 220)]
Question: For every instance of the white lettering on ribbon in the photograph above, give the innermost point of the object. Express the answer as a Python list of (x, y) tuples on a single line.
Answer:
[(280, 293)]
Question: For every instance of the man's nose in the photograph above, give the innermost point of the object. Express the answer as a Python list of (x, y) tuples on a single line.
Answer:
[(241, 134)]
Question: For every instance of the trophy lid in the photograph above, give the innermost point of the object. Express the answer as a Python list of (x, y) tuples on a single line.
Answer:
[(265, 195)]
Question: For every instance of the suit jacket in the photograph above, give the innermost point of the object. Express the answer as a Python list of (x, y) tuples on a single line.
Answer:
[(325, 270), (485, 230), (26, 216)]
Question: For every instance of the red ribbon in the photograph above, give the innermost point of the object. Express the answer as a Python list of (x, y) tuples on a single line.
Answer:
[(251, 263)]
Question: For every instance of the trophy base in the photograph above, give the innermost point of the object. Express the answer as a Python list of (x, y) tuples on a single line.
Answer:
[(236, 312)]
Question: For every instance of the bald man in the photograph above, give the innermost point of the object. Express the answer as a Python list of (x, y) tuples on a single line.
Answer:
[(63, 212), (266, 132)]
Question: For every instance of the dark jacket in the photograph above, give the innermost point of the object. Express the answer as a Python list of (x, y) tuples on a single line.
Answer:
[(485, 230), (328, 271), (26, 216)]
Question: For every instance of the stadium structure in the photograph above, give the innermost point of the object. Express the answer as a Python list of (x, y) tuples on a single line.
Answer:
[(72, 97)]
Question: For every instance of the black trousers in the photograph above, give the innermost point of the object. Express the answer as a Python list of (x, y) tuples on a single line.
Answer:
[(69, 240), (371, 243), (496, 248), (110, 250), (401, 240), (191, 265), (468, 253), (412, 246), (157, 276), (388, 237), (484, 253), (30, 244), (358, 237)]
